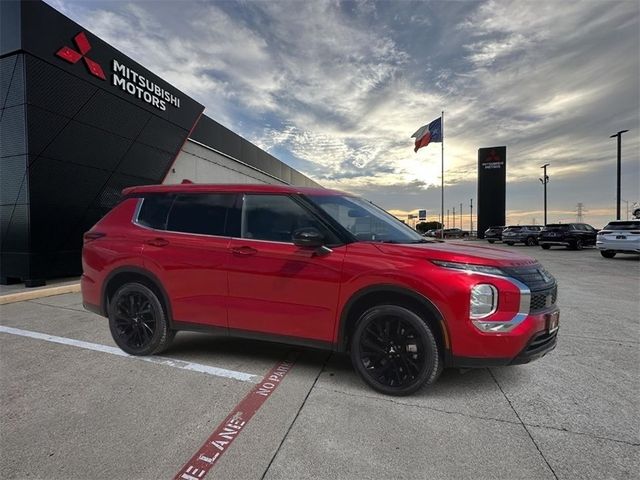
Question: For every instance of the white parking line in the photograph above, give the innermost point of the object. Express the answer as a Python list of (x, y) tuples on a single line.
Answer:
[(170, 362)]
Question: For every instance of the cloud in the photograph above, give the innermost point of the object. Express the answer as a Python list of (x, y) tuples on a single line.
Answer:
[(336, 88)]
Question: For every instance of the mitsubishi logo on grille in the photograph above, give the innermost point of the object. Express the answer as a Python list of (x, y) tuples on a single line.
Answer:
[(73, 56)]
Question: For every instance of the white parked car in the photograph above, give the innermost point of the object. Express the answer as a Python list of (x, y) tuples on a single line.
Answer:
[(619, 236)]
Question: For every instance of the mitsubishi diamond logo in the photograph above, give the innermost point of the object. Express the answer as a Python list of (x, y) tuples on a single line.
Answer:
[(73, 56)]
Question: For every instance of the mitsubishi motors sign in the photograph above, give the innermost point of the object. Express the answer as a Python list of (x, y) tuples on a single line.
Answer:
[(54, 38), (122, 76), (141, 87)]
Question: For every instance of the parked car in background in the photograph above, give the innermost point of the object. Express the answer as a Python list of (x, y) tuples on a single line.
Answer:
[(571, 235), (527, 234), (312, 267), (493, 234), (452, 233), (619, 236), (430, 233)]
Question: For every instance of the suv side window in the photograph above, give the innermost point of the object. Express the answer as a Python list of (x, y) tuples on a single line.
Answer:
[(154, 210), (205, 214), (275, 217)]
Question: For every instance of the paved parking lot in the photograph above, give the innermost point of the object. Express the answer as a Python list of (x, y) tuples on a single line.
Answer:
[(72, 408)]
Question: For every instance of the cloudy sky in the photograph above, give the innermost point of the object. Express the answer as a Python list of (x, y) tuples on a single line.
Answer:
[(335, 89)]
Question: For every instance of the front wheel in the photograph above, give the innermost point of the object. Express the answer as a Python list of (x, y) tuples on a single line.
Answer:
[(394, 350), (491, 241), (509, 243), (545, 246), (137, 320), (607, 253), (530, 242)]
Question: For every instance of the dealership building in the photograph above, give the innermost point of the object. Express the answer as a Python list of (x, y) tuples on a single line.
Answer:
[(80, 121)]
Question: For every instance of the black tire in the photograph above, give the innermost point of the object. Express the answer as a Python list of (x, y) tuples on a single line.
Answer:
[(530, 242), (491, 241), (545, 246), (403, 353), (509, 243), (138, 321), (607, 253), (576, 244)]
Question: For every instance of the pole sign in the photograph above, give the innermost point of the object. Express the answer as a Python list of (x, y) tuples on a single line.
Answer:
[(492, 176), (422, 214)]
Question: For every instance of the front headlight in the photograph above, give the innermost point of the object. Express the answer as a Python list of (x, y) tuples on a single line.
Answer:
[(484, 301), (470, 267)]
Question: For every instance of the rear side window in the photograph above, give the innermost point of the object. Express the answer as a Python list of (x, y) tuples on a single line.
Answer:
[(206, 214), (559, 226), (154, 210)]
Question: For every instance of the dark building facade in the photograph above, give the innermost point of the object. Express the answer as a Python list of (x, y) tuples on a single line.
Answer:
[(80, 121)]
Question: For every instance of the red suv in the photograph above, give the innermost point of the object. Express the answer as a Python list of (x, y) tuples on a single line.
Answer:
[(312, 267)]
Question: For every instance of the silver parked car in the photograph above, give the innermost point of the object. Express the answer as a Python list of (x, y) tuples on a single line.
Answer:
[(619, 236)]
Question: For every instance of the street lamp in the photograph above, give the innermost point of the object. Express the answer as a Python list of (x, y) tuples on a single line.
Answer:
[(619, 135), (544, 180)]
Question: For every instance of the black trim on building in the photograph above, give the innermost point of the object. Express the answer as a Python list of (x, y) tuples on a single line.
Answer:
[(79, 122)]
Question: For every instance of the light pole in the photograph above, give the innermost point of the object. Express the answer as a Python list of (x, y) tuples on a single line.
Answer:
[(544, 180), (619, 135), (447, 218), (470, 215), (454, 217)]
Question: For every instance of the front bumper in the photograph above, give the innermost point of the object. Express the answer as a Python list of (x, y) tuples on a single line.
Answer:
[(530, 341)]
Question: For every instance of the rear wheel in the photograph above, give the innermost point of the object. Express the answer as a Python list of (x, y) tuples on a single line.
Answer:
[(491, 241), (545, 246), (509, 243), (395, 351), (577, 244), (137, 320), (530, 242), (607, 253)]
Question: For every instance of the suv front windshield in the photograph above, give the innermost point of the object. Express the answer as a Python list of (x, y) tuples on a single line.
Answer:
[(367, 222)]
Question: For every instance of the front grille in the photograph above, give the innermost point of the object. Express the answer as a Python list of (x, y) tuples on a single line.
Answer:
[(540, 342), (543, 299)]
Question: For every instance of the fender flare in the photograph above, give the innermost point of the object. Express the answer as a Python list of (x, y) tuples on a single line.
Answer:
[(388, 288), (142, 272)]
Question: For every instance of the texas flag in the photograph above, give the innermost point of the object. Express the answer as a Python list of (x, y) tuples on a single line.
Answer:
[(428, 133)]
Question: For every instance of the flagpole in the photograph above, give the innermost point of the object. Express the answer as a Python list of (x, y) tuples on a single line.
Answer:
[(442, 180)]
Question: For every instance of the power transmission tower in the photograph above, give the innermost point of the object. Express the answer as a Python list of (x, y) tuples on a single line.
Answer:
[(580, 211)]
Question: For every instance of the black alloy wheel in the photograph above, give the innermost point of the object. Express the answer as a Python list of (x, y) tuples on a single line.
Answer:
[(394, 350), (138, 321), (577, 244), (530, 241)]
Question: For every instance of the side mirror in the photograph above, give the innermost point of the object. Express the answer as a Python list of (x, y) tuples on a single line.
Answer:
[(308, 237)]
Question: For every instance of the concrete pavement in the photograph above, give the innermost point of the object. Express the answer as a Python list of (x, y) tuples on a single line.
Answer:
[(74, 413)]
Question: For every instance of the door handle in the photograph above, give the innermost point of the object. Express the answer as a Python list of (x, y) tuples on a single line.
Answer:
[(244, 251), (157, 242)]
